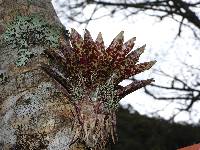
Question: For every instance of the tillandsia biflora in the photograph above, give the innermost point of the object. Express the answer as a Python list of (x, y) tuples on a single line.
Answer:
[(89, 75)]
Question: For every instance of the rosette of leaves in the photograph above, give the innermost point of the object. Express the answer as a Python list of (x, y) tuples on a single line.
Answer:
[(89, 75)]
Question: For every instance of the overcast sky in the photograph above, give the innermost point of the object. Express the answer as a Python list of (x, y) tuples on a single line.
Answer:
[(161, 45)]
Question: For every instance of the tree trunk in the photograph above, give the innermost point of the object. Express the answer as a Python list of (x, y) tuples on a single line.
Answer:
[(34, 114), (51, 97)]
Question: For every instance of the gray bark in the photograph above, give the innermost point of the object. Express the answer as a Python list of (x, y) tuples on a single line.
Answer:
[(34, 114)]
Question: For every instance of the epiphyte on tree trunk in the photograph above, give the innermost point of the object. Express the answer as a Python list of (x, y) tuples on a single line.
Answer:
[(89, 75)]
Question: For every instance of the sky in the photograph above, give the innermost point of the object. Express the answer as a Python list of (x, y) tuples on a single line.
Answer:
[(162, 45)]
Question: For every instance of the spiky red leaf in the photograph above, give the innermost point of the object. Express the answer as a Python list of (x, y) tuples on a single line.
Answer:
[(115, 46), (121, 53), (135, 85), (77, 42)]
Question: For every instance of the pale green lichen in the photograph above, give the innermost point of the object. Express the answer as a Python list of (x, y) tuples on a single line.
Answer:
[(31, 1), (109, 94), (77, 90), (77, 93), (106, 93), (26, 32)]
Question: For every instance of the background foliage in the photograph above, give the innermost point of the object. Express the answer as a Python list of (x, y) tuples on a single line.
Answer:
[(139, 132)]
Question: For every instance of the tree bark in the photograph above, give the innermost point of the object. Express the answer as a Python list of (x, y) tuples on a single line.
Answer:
[(33, 113)]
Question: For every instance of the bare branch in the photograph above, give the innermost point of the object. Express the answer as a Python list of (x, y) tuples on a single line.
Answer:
[(159, 8)]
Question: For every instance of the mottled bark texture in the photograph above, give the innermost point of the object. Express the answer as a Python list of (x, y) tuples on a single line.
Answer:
[(33, 113), (59, 92)]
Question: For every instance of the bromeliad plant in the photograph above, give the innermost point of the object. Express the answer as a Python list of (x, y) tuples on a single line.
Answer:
[(89, 75)]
